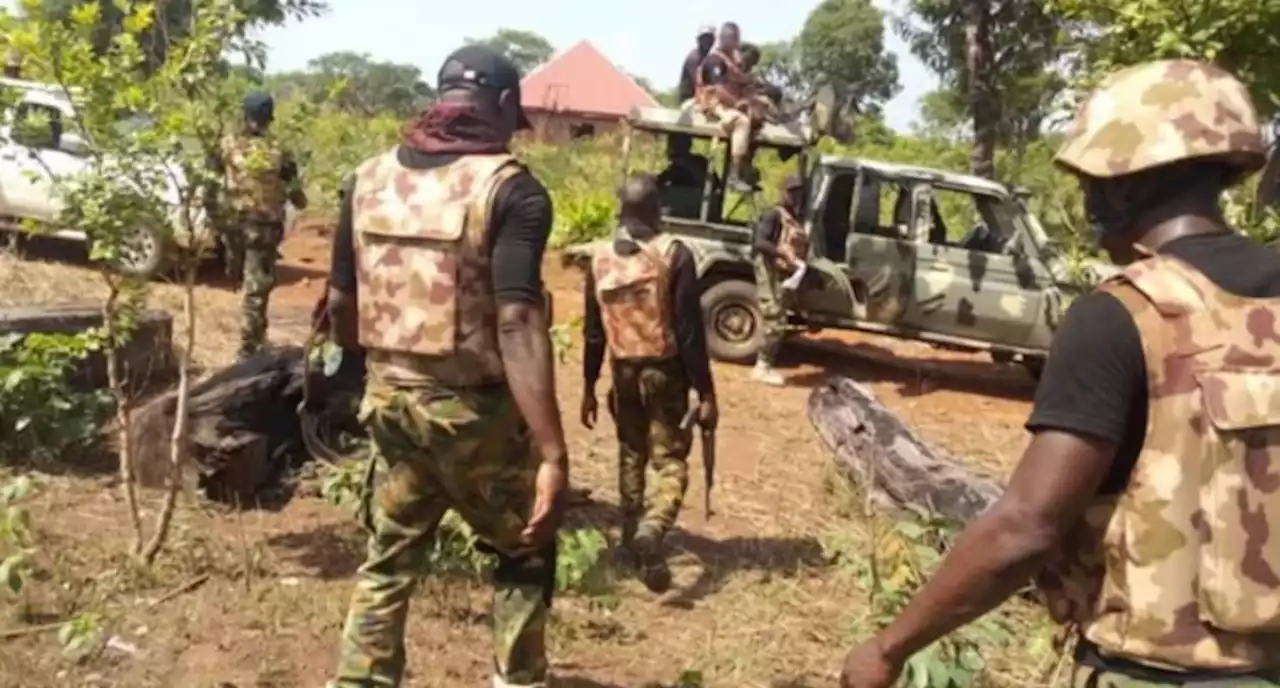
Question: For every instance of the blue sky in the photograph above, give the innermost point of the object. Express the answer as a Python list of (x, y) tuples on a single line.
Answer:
[(648, 37)]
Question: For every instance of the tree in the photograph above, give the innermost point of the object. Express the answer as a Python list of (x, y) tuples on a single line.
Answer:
[(172, 21), (358, 84), (1238, 35), (843, 43), (1008, 47), (780, 65), (525, 48)]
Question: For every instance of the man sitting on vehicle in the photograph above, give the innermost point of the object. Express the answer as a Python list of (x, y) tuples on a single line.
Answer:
[(680, 144), (720, 96), (761, 93)]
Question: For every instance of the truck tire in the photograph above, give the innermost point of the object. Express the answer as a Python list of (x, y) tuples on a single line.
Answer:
[(142, 255), (732, 319)]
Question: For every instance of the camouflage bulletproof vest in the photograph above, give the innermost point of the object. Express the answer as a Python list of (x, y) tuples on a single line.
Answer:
[(735, 81), (793, 242), (425, 294), (254, 187), (634, 297), (1183, 569)]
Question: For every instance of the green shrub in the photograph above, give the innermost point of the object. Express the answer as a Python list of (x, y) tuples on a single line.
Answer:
[(42, 418)]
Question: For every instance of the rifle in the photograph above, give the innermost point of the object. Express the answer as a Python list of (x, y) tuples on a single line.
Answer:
[(708, 458)]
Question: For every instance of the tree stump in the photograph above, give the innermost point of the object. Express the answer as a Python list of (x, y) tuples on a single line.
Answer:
[(877, 452), (148, 358)]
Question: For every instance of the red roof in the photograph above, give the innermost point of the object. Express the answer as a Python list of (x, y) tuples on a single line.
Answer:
[(583, 81)]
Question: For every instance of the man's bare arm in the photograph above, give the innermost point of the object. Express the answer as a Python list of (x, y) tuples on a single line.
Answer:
[(1000, 551), (530, 366)]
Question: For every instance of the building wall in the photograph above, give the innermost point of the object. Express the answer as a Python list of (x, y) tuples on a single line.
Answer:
[(562, 127)]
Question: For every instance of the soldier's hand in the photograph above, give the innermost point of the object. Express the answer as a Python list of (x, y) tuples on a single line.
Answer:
[(708, 413), (590, 410), (867, 666), (548, 502)]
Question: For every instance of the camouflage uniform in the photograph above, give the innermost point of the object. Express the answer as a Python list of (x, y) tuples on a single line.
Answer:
[(439, 413), (256, 196), (650, 394), (1182, 570), (772, 300)]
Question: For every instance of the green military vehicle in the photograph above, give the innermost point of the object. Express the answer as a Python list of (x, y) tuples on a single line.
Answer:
[(881, 260)]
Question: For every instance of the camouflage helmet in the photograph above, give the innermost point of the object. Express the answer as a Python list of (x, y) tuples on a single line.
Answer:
[(1161, 112)]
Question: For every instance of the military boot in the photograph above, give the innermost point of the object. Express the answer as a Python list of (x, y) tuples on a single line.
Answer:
[(764, 373), (651, 565)]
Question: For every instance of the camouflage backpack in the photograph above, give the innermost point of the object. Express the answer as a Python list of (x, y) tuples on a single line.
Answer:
[(425, 292), (1183, 569), (634, 296), (254, 186)]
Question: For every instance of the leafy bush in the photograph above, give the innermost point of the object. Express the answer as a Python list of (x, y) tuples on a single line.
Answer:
[(16, 547), (41, 416)]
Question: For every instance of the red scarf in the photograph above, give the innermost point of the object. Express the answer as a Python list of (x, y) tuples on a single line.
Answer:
[(454, 128)]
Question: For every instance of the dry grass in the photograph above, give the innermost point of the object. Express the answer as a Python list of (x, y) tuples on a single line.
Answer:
[(768, 593), (53, 273)]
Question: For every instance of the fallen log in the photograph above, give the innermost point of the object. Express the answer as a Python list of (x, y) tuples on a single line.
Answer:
[(877, 452), (245, 426)]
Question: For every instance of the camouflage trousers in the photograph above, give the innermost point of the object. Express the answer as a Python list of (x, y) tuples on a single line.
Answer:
[(466, 450), (1090, 677), (648, 402), (772, 302), (252, 249)]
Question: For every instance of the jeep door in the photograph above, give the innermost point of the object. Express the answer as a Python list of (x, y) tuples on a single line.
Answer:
[(880, 261), (977, 285), (827, 294)]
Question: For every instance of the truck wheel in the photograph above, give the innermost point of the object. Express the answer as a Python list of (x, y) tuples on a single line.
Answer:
[(732, 319), (142, 254)]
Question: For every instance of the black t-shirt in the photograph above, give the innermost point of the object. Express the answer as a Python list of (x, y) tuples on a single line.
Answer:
[(689, 74), (715, 71), (1095, 381), (519, 224), (769, 228), (686, 308)]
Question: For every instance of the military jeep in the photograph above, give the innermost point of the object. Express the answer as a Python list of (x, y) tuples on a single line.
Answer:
[(882, 258)]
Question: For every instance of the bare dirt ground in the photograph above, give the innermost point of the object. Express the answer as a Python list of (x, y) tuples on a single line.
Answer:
[(762, 597)]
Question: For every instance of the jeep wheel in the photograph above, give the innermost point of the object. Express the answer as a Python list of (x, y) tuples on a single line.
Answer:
[(142, 254), (732, 319)]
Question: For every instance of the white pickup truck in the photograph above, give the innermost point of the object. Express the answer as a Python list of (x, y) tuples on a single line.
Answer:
[(29, 164)]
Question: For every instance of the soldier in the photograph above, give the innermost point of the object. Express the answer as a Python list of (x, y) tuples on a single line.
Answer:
[(260, 178), (778, 252), (436, 275), (679, 145), (642, 301), (1147, 499), (720, 92)]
